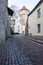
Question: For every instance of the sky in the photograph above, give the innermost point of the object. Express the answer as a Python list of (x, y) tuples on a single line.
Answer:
[(30, 4)]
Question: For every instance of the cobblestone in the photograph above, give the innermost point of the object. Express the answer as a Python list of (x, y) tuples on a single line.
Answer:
[(21, 51)]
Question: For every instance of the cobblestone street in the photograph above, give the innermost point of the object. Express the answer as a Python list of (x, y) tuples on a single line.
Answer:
[(19, 50)]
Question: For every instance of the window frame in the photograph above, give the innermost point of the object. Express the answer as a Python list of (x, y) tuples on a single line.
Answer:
[(39, 13), (39, 27)]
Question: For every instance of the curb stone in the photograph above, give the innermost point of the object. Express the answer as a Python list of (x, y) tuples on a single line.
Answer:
[(38, 41)]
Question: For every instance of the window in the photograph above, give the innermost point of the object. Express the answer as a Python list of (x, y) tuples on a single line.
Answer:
[(38, 28), (18, 26), (39, 13), (18, 30)]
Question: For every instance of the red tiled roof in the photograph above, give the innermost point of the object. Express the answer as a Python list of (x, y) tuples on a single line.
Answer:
[(23, 8)]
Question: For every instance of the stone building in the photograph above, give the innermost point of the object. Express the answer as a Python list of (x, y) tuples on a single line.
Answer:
[(12, 24), (10, 14), (35, 20), (4, 22), (17, 28), (23, 12), (21, 20)]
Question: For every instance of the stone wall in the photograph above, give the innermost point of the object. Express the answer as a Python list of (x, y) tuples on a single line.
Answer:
[(4, 23)]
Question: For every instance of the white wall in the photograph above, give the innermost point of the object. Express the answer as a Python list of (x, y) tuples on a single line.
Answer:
[(17, 26), (33, 20), (23, 19), (21, 22)]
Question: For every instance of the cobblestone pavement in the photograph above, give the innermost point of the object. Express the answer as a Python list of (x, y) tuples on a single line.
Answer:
[(19, 50)]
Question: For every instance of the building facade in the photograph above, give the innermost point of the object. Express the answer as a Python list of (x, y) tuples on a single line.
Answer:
[(21, 20), (35, 20), (4, 22), (14, 23), (18, 28)]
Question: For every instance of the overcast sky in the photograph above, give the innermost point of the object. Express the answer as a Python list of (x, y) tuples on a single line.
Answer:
[(19, 3)]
